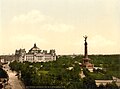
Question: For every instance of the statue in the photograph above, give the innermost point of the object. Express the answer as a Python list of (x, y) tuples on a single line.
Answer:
[(85, 37)]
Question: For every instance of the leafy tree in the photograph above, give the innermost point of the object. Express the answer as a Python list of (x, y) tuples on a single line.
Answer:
[(111, 86), (101, 86), (89, 83), (3, 73)]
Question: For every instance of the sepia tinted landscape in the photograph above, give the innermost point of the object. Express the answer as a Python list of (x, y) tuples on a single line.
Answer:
[(59, 44)]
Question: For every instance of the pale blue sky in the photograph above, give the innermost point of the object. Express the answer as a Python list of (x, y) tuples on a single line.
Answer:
[(60, 24)]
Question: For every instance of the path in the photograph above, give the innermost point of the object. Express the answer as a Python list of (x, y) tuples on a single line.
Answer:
[(13, 80)]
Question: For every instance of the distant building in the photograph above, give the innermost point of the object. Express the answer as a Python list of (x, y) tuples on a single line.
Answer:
[(35, 55), (6, 58)]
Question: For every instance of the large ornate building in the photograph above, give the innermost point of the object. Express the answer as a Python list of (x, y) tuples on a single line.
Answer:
[(35, 55)]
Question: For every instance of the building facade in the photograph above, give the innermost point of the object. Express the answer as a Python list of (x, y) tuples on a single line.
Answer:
[(35, 55)]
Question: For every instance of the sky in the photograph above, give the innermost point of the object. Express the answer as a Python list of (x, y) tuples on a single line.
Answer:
[(60, 25)]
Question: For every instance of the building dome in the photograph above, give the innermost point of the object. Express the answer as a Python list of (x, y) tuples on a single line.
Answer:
[(34, 49)]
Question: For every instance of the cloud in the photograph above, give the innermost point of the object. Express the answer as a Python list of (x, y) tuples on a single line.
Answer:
[(101, 44), (36, 19), (53, 29), (35, 24), (35, 27), (28, 38), (58, 27), (32, 17), (98, 39)]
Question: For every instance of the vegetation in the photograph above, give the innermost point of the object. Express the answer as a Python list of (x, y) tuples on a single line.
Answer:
[(108, 86), (110, 63), (3, 77), (65, 72), (3, 73), (56, 73)]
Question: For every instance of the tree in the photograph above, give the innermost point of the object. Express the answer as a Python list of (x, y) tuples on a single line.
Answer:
[(101, 86), (89, 83), (3, 73), (111, 86)]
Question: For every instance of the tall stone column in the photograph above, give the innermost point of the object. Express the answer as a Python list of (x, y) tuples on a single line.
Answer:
[(86, 60), (86, 50)]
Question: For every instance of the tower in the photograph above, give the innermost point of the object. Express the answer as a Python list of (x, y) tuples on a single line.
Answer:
[(86, 61)]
